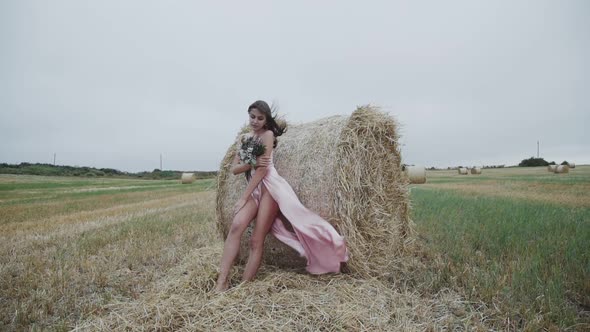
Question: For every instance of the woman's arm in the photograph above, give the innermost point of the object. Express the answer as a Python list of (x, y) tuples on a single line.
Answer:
[(237, 167), (268, 141)]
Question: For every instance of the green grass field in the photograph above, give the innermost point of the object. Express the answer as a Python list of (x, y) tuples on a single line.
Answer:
[(522, 246), (510, 246)]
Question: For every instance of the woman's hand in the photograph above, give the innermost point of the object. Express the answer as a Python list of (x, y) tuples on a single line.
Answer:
[(263, 161), (239, 205)]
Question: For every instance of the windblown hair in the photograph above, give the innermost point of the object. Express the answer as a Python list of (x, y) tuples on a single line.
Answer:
[(273, 123)]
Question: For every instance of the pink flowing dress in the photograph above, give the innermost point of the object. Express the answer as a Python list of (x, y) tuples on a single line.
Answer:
[(314, 238)]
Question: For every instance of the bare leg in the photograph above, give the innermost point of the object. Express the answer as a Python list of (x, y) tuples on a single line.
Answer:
[(267, 212), (232, 243)]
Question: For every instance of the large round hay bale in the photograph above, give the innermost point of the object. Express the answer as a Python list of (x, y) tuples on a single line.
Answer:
[(571, 164), (462, 171), (562, 169), (551, 168), (416, 174), (346, 169), (476, 170), (187, 178)]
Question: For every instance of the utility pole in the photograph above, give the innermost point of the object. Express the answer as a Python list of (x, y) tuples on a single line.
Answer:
[(537, 149), (160, 161), (54, 159)]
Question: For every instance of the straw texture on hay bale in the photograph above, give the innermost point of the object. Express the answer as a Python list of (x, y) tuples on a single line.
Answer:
[(476, 170), (562, 169), (347, 170), (571, 164), (551, 168), (416, 174), (462, 171), (187, 178)]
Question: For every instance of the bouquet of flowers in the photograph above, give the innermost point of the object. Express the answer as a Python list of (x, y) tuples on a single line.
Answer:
[(252, 147)]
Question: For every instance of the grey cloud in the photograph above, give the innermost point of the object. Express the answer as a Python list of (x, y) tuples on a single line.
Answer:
[(114, 84)]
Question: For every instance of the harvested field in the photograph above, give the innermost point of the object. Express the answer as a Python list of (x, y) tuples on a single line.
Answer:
[(80, 254), (515, 238), (525, 184)]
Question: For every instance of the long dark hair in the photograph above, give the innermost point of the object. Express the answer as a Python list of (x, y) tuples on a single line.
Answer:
[(277, 127)]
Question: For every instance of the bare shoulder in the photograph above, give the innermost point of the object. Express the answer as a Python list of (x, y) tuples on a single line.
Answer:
[(267, 138)]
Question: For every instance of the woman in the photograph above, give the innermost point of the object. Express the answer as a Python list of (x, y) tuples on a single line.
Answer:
[(266, 195)]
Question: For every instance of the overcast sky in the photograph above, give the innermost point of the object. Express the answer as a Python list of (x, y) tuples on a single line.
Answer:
[(116, 83)]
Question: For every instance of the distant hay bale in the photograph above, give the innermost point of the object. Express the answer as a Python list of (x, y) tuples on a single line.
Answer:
[(551, 168), (346, 169), (462, 171), (571, 164), (562, 169), (416, 174), (187, 178), (476, 170)]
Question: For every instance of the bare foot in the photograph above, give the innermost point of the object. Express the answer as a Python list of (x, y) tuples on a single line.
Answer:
[(221, 287)]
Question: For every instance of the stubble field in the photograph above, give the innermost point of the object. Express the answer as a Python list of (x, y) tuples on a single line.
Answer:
[(505, 250)]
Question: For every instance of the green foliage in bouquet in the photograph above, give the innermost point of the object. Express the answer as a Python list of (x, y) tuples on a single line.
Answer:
[(252, 147)]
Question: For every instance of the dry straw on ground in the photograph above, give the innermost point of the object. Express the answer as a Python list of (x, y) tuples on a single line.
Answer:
[(187, 178), (346, 169), (476, 170), (416, 174), (283, 300)]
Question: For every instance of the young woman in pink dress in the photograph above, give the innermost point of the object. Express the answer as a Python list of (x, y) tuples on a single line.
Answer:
[(266, 195)]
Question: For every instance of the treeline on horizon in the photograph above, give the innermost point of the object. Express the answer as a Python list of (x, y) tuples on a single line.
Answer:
[(60, 170), (530, 162), (533, 162)]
